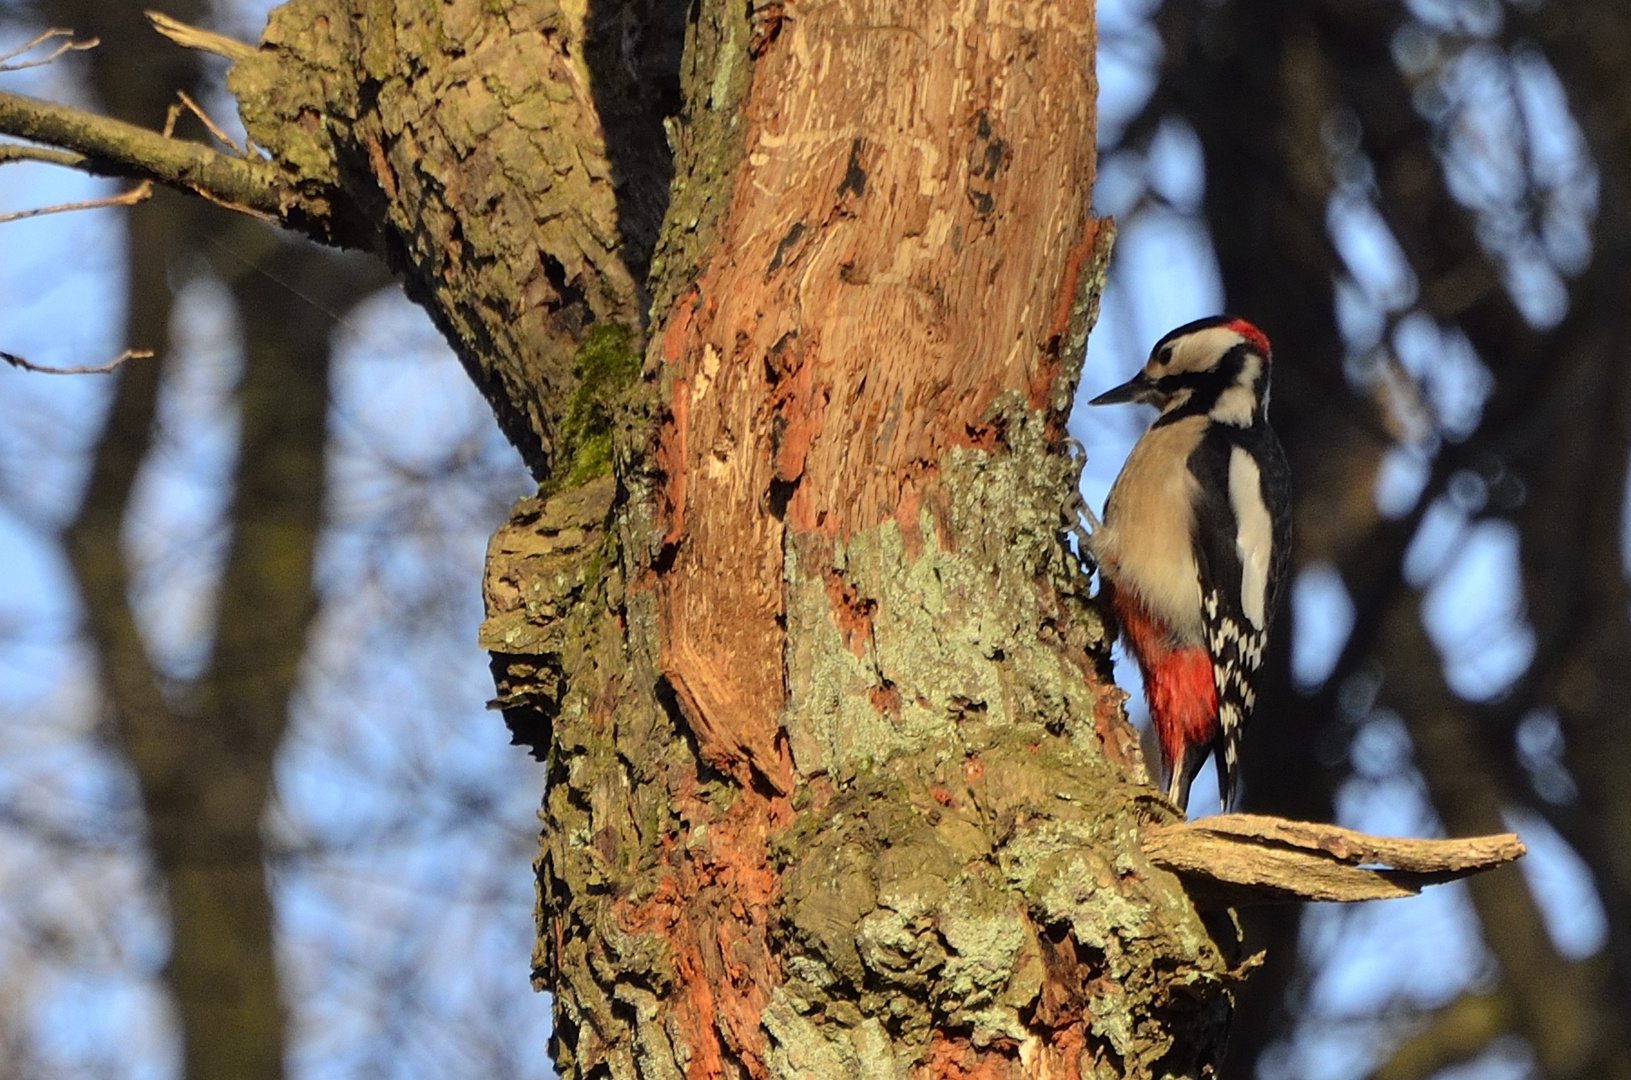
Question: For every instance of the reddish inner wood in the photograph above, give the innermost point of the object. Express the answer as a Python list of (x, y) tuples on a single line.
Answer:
[(901, 247)]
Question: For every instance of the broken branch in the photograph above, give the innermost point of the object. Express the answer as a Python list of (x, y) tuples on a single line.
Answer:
[(1234, 860), (191, 37)]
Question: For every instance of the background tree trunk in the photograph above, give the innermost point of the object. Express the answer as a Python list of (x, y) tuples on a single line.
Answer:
[(1299, 107), (202, 749)]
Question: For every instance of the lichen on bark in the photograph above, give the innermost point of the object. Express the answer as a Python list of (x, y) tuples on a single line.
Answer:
[(942, 625), (963, 866)]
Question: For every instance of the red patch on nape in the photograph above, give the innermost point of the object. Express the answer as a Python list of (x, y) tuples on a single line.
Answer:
[(1256, 337), (1177, 681)]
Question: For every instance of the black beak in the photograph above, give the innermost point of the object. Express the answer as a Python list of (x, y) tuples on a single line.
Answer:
[(1140, 388)]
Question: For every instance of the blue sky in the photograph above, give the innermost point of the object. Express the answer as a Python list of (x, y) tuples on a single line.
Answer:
[(405, 823)]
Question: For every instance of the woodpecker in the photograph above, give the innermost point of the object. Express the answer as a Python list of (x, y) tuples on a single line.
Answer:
[(1196, 538)]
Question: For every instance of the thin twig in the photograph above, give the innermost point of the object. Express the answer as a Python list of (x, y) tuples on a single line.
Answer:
[(125, 198), (79, 369), (217, 132), (18, 152), (235, 207), (42, 38)]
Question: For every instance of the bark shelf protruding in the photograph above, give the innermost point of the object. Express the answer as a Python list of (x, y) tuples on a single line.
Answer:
[(1235, 860)]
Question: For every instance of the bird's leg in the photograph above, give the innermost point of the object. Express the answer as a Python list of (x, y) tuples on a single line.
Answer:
[(1080, 511)]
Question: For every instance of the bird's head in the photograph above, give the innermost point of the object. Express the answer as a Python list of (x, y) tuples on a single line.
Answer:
[(1217, 366)]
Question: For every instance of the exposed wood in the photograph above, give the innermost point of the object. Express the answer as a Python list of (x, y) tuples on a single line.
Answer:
[(1234, 860), (193, 37), (862, 605), (901, 248)]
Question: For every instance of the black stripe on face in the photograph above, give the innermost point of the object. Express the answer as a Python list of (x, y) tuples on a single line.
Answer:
[(1205, 387)]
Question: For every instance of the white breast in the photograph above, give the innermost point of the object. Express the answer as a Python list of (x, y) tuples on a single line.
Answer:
[(1144, 545)]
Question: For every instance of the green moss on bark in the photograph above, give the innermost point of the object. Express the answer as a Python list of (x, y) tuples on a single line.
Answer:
[(605, 367)]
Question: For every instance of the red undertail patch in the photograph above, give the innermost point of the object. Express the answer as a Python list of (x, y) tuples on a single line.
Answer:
[(1178, 682)]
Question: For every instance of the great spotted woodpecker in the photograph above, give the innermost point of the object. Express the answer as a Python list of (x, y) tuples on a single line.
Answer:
[(1195, 541)]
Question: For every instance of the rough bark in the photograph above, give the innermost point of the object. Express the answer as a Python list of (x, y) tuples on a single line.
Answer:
[(462, 143), (833, 794), (835, 787)]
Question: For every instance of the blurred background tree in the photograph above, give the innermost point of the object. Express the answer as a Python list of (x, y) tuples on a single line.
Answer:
[(1424, 205), (254, 821)]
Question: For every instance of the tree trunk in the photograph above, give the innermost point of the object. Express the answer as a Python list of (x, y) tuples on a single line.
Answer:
[(785, 303), (201, 750), (837, 788)]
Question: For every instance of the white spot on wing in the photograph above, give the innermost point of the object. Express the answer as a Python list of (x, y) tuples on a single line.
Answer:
[(1254, 536)]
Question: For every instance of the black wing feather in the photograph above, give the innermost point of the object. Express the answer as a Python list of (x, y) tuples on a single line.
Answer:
[(1236, 645)]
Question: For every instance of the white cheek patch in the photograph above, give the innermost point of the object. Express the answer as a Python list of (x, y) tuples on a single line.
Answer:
[(1254, 535), (1238, 404), (1200, 350)]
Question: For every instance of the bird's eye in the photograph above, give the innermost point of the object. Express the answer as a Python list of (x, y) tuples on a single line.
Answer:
[(1163, 355)]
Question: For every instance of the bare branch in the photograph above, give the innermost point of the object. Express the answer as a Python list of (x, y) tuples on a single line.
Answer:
[(223, 137), (115, 148), (1241, 859), (191, 37), (79, 369), (125, 198), (40, 39), (18, 152)]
